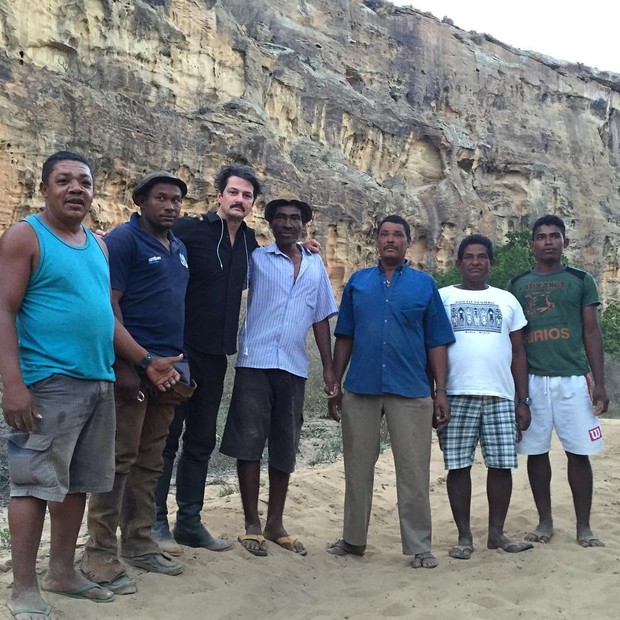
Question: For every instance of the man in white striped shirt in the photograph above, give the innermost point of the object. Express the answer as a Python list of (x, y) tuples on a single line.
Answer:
[(289, 292)]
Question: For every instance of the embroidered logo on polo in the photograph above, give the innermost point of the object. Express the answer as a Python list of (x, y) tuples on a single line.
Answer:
[(595, 433), (183, 260), (154, 259), (478, 317)]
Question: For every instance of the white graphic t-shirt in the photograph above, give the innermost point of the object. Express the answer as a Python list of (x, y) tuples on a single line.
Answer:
[(480, 359)]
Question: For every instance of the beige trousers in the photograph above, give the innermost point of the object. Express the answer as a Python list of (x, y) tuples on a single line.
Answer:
[(409, 422)]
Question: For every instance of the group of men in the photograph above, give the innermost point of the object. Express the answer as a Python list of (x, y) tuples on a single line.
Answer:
[(482, 365), (111, 351)]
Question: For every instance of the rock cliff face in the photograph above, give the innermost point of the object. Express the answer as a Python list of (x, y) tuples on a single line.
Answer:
[(363, 111)]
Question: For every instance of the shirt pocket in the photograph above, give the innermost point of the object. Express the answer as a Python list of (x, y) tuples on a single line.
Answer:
[(412, 315)]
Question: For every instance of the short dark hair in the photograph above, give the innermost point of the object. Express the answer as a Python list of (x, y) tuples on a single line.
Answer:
[(237, 170), (549, 220), (396, 219), (52, 160), (473, 240)]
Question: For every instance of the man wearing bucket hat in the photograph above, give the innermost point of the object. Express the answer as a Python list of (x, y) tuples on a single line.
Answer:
[(149, 275), (289, 293)]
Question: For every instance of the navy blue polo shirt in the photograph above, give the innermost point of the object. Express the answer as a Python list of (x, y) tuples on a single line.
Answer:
[(153, 281), (392, 327)]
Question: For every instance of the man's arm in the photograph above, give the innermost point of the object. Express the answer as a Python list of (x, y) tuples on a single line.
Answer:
[(312, 245), (323, 338), (519, 375), (438, 362), (19, 254), (342, 355), (160, 371), (593, 343), (127, 379)]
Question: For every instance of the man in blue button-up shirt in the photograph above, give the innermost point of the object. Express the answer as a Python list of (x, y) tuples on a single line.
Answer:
[(391, 327)]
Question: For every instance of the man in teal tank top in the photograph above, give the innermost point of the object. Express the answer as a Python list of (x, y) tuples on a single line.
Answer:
[(57, 340)]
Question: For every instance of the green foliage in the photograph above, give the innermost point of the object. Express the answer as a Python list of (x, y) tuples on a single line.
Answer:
[(329, 452), (446, 278), (511, 259), (610, 326), (5, 538), (227, 489)]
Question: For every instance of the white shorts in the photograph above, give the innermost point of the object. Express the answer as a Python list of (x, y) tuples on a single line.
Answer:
[(563, 403)]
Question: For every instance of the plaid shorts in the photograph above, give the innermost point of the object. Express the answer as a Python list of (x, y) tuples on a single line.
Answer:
[(488, 419)]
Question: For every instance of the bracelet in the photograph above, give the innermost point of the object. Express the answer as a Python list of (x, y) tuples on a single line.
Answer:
[(440, 389)]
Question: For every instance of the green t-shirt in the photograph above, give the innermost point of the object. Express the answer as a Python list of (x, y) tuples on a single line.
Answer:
[(552, 305)]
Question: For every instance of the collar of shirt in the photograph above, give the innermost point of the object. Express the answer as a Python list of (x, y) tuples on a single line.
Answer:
[(134, 222), (274, 249), (399, 269)]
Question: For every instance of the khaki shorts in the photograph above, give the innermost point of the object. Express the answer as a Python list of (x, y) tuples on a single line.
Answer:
[(72, 450)]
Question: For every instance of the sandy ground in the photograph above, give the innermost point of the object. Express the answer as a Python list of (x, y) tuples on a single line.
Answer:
[(559, 580)]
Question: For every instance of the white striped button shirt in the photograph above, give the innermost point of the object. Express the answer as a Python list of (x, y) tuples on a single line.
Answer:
[(281, 310)]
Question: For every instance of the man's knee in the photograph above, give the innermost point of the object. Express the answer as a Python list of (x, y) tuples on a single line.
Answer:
[(578, 459)]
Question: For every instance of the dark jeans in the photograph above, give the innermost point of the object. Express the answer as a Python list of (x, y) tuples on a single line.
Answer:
[(199, 417)]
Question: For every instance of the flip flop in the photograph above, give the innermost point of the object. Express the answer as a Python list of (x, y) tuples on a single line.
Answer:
[(290, 543), (461, 552), (592, 541), (516, 546), (341, 548), (424, 560), (18, 611), (261, 551), (539, 537), (80, 593)]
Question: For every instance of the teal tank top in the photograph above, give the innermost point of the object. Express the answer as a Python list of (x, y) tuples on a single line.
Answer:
[(65, 324)]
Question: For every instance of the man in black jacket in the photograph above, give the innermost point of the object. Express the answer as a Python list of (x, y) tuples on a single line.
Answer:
[(219, 246)]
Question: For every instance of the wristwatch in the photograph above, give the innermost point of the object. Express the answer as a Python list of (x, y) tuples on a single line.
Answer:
[(524, 401), (146, 361)]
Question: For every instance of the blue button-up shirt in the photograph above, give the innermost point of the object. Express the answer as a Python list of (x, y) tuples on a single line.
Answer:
[(392, 326), (281, 310)]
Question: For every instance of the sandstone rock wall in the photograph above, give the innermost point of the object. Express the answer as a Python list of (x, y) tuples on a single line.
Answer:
[(363, 112)]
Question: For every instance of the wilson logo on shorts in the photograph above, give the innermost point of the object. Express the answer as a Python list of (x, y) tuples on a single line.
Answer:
[(595, 433)]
